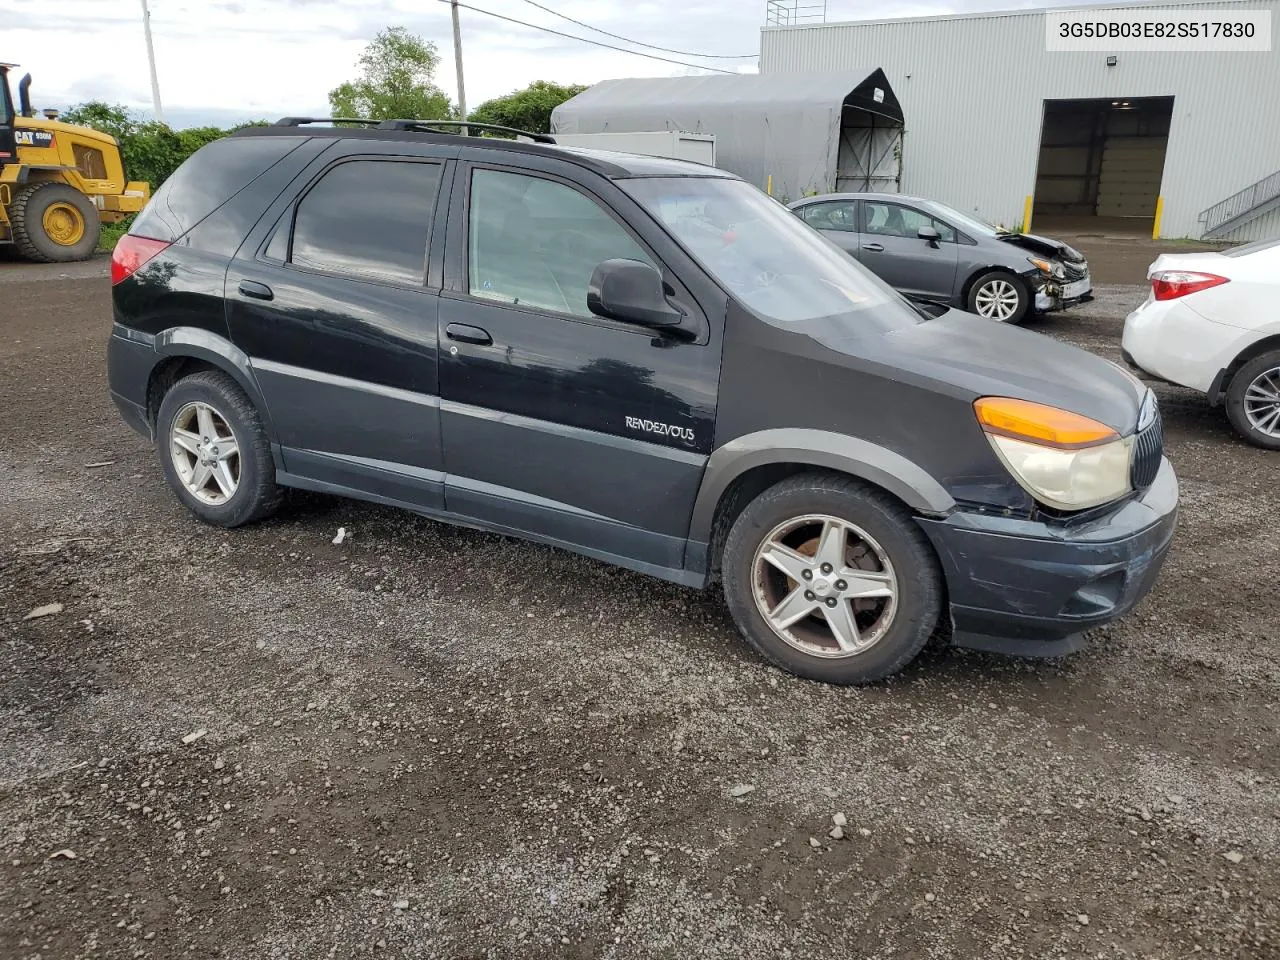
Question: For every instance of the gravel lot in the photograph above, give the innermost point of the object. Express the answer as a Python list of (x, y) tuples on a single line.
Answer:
[(431, 742)]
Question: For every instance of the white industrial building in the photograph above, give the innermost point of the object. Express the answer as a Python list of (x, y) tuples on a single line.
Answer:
[(1183, 144)]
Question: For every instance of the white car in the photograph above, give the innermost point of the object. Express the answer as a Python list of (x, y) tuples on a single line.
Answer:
[(1212, 323)]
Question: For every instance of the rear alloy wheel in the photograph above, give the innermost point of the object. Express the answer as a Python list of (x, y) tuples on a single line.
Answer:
[(1253, 400), (999, 296), (831, 579), (205, 453), (214, 451)]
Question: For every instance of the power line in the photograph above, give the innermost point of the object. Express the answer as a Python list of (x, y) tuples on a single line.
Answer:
[(597, 43), (641, 43)]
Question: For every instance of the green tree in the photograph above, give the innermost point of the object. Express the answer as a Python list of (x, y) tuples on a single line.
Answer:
[(398, 81), (114, 119), (527, 109), (151, 150)]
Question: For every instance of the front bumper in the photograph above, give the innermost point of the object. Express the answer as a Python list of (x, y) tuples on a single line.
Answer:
[(1032, 588), (1053, 295)]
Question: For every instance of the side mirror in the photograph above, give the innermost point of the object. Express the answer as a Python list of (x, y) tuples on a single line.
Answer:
[(928, 233), (631, 291)]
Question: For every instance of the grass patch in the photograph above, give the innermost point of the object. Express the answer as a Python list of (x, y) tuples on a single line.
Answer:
[(111, 233)]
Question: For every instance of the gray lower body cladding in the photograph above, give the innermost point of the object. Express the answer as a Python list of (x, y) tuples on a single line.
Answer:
[(129, 366), (1031, 588)]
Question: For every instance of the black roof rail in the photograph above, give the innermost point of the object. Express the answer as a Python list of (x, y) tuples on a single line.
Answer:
[(421, 126), (428, 125), (303, 121)]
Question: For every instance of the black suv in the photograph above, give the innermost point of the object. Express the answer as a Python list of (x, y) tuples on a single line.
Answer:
[(646, 361)]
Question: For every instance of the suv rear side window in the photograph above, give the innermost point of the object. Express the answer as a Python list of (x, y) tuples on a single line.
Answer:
[(368, 218), (211, 176), (536, 242)]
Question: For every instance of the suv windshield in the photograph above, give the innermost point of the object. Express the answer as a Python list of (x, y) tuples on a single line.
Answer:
[(769, 260)]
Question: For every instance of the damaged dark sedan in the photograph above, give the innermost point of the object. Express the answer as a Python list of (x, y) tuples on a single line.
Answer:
[(932, 252)]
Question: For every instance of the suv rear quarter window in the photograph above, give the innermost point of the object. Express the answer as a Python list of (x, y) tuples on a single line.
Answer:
[(211, 176), (368, 218)]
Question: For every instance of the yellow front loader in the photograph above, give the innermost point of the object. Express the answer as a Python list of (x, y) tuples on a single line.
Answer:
[(58, 182)]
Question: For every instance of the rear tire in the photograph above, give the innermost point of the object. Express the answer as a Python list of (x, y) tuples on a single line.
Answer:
[(209, 413), (1000, 296), (54, 223), (881, 575), (1253, 401)]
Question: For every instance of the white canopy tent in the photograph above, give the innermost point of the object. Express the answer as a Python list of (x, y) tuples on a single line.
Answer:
[(796, 133)]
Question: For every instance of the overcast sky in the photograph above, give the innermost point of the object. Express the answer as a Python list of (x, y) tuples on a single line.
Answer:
[(220, 61)]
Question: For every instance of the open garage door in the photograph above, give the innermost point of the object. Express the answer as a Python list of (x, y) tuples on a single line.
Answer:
[(1101, 163)]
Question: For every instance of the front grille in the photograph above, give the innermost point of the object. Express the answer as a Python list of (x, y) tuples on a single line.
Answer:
[(1075, 271), (1148, 449)]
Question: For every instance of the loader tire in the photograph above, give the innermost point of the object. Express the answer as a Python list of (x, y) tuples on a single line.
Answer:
[(54, 223)]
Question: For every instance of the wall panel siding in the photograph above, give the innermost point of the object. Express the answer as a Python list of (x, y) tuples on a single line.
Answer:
[(973, 87), (1265, 227)]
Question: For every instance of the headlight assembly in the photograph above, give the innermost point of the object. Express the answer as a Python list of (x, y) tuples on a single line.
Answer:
[(1050, 268), (1064, 460)]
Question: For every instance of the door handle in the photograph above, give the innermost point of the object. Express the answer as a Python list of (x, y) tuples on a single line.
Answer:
[(872, 246), (468, 334), (256, 290)]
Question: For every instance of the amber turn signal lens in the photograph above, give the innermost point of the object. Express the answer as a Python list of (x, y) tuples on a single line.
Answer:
[(1039, 423)]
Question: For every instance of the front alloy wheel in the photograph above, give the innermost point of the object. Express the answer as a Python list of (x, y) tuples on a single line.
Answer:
[(824, 586), (1000, 296), (831, 579), (996, 300)]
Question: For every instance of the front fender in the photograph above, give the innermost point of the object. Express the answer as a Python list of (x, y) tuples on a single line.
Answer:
[(878, 465)]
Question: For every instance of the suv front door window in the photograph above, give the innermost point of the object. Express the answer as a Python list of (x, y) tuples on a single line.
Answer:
[(536, 242), (890, 246), (534, 386)]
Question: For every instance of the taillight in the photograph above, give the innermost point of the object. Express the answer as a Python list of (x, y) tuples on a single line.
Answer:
[(131, 253), (1171, 284)]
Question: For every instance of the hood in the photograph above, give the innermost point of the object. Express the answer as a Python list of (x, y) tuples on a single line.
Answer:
[(1043, 246), (977, 358)]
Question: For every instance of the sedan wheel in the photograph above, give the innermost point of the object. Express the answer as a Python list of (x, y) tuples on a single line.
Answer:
[(1262, 402), (1253, 400), (205, 453), (996, 300)]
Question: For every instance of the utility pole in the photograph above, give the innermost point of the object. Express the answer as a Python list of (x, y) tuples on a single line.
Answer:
[(151, 59), (457, 60)]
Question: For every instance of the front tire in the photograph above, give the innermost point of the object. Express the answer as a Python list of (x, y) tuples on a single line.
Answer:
[(1253, 401), (1000, 296), (54, 223), (214, 451), (832, 580)]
